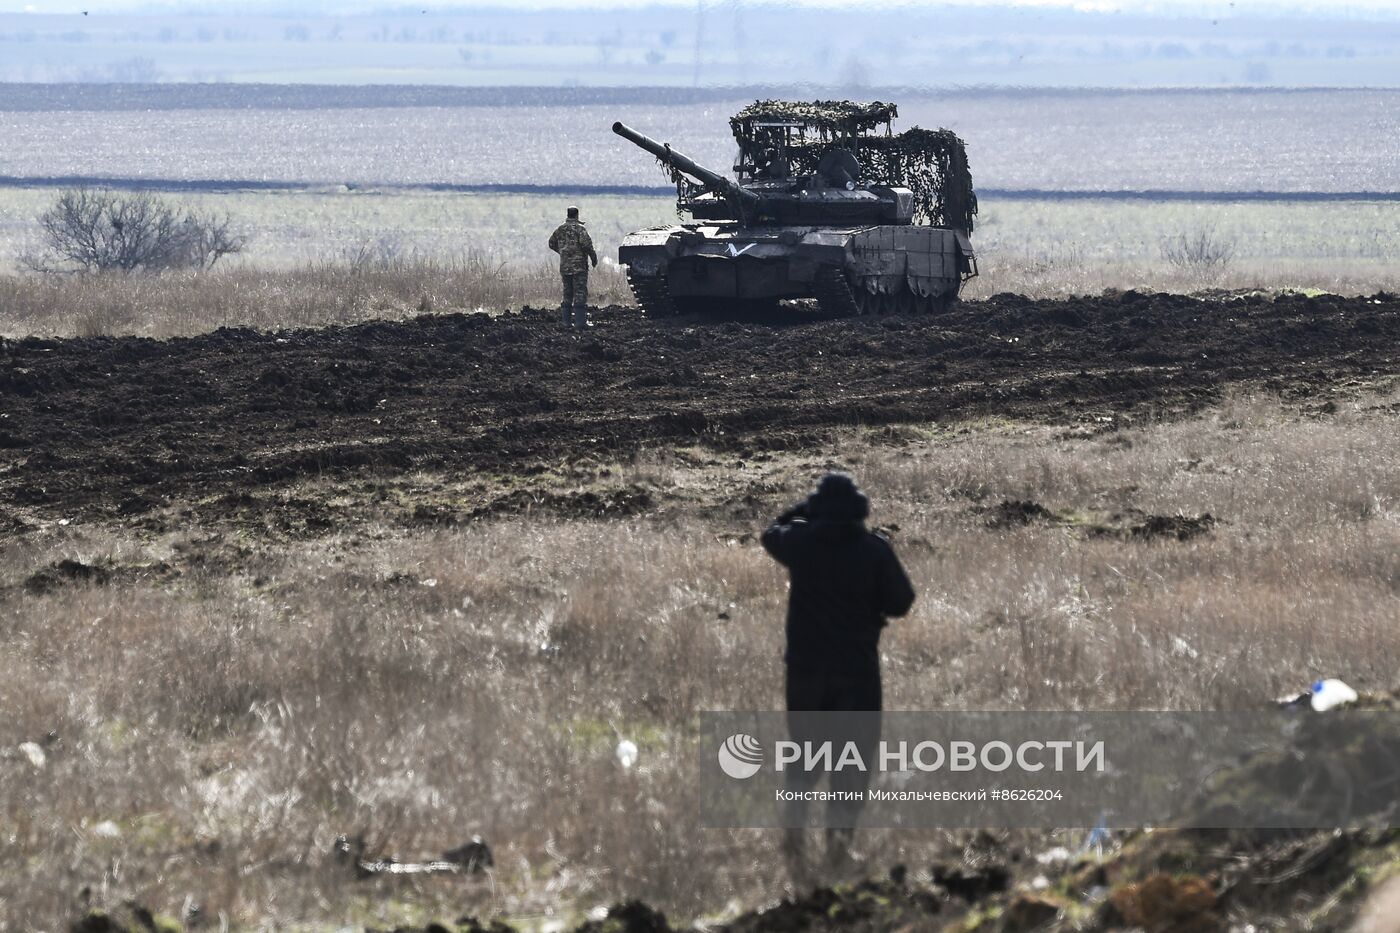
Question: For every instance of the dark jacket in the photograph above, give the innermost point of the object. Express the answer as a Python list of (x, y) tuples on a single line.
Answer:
[(845, 581)]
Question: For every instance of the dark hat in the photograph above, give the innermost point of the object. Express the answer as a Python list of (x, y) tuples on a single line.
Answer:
[(838, 499), (572, 211)]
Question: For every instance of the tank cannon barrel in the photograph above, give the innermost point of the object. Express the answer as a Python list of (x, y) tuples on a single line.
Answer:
[(687, 165)]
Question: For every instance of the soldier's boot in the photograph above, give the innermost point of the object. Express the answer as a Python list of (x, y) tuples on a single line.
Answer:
[(566, 314), (581, 316)]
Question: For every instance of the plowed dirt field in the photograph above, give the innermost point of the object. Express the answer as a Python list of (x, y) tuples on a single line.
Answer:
[(113, 428)]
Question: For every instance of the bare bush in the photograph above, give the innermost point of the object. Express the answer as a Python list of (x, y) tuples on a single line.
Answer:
[(93, 231), (379, 253), (1202, 250)]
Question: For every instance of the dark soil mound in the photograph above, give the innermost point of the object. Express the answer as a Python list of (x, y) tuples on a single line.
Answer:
[(103, 427), (1138, 526), (1014, 513), (1180, 527), (63, 573)]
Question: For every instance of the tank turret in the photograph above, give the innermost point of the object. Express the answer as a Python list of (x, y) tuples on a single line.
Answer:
[(830, 194)]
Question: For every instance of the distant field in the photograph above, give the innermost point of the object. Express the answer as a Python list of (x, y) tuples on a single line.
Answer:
[(293, 228), (1211, 141), (351, 174), (326, 258)]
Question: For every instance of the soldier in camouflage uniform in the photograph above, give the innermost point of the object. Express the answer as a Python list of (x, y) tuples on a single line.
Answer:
[(575, 248)]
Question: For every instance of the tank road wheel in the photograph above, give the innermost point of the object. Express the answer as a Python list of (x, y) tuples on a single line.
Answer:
[(936, 304), (834, 294), (652, 294), (906, 301), (922, 304)]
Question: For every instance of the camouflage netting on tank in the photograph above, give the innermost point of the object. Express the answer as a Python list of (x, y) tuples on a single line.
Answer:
[(930, 163), (830, 117), (686, 189)]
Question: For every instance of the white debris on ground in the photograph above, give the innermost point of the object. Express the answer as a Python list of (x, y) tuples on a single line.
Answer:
[(107, 830), (34, 753), (1330, 694)]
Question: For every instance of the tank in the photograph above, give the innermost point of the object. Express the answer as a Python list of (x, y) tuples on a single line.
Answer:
[(827, 202)]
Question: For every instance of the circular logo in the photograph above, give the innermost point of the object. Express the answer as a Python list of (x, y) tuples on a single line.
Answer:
[(740, 756)]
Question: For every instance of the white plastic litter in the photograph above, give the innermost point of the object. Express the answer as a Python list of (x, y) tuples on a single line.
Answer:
[(627, 753), (107, 830), (34, 753), (1057, 856), (1330, 694)]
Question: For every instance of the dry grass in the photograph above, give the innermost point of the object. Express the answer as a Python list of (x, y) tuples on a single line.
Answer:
[(418, 687), (1067, 273), (366, 287), (363, 287)]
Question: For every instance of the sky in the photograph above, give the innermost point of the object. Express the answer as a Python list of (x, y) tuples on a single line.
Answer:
[(1169, 7)]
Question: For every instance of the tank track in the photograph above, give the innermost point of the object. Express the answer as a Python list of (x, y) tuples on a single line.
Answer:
[(652, 295), (833, 293)]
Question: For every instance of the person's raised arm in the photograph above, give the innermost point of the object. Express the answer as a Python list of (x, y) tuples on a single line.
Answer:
[(777, 539)]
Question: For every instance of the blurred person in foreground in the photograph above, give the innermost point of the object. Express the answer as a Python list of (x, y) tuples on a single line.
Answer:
[(845, 581), (575, 248)]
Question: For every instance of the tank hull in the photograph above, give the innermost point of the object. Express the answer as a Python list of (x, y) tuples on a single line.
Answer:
[(849, 270)]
